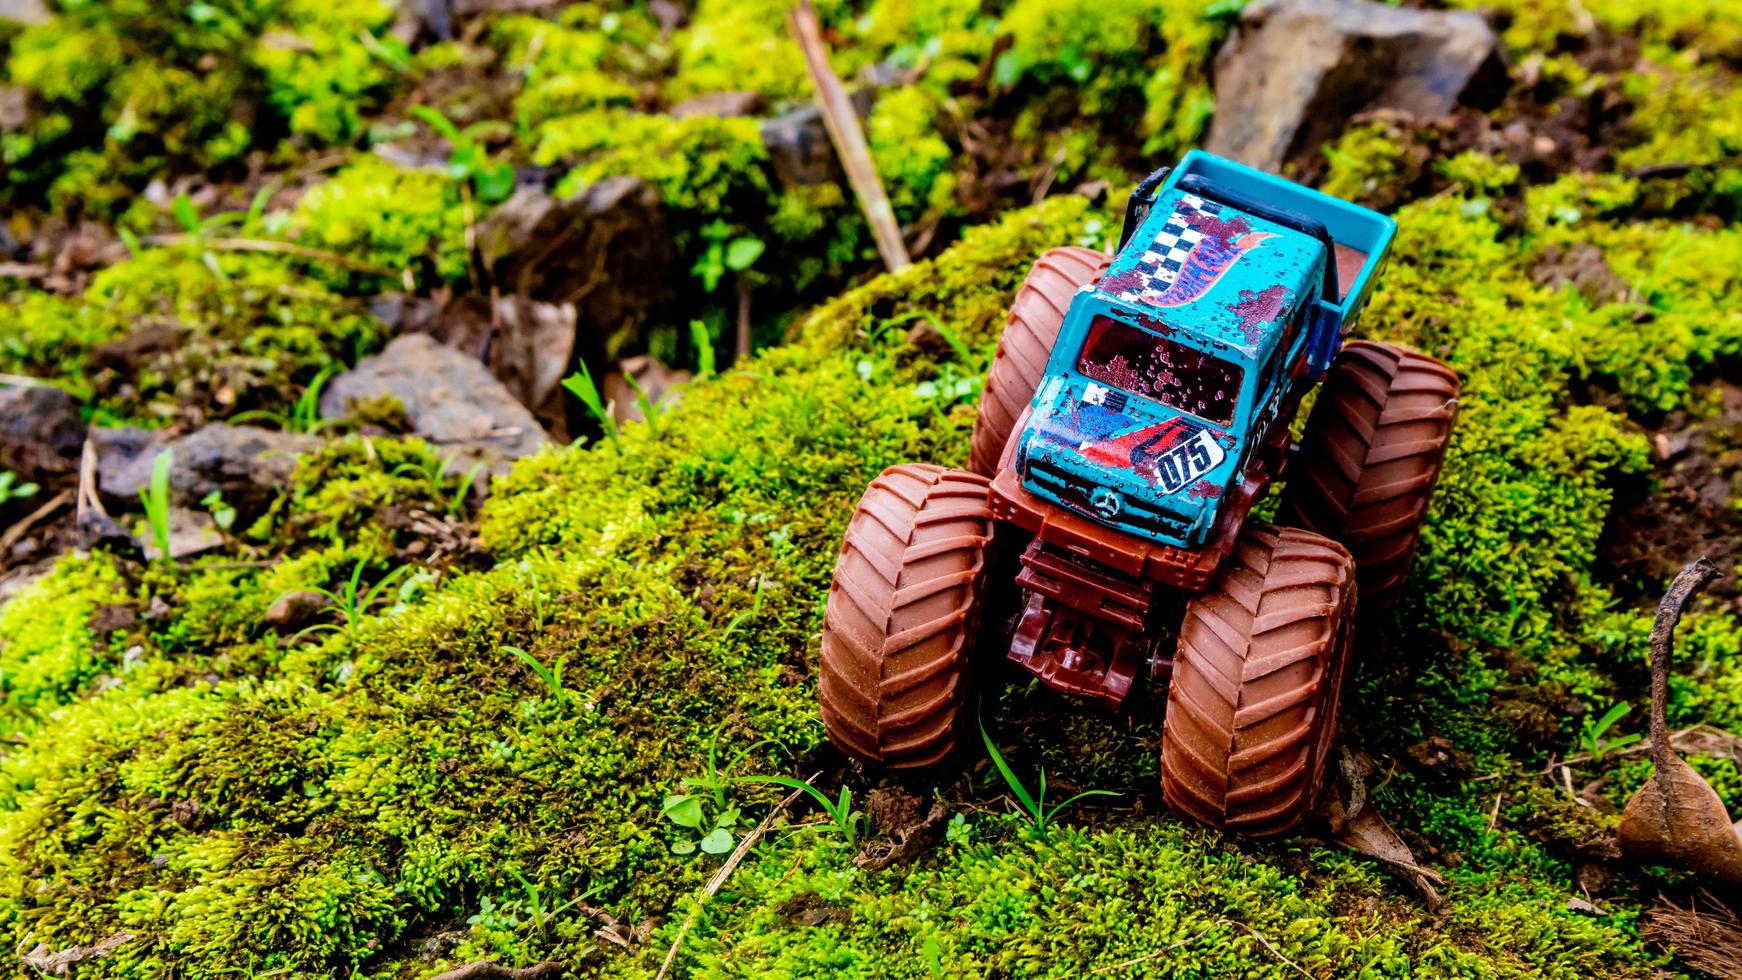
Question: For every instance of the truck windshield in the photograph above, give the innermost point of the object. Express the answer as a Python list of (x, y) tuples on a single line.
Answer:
[(1156, 368)]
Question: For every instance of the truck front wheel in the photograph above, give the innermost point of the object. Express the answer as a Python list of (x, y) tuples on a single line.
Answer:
[(903, 610), (1257, 678), (1027, 341), (1370, 457)]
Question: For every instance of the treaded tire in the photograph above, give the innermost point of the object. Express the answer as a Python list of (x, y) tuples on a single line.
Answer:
[(1257, 678), (899, 630), (1370, 457), (1029, 334)]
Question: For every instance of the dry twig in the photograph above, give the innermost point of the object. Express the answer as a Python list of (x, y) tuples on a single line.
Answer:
[(22, 527), (719, 879), (848, 136)]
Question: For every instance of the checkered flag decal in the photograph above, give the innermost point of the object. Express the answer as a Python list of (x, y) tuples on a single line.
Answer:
[(1159, 266)]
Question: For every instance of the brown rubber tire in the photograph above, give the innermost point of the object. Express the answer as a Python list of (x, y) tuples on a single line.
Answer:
[(1029, 333), (899, 630), (1257, 678), (1370, 457)]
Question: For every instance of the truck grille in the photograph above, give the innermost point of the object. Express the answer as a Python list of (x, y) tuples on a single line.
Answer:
[(1135, 515)]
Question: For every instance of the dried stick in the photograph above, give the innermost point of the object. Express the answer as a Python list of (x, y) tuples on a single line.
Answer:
[(1669, 613), (848, 136), (276, 248), (20, 529), (88, 501), (720, 876)]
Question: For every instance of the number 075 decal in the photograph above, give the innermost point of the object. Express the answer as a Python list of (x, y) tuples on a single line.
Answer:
[(1187, 460)]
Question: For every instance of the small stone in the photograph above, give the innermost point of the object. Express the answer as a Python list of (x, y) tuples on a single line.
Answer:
[(113, 618), (247, 464), (41, 432), (294, 609), (722, 105), (450, 399)]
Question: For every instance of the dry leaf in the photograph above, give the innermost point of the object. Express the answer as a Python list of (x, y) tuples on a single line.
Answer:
[(1688, 829), (1677, 818), (1359, 826)]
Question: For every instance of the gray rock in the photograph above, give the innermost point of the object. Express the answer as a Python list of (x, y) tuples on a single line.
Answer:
[(722, 105), (248, 465), (294, 609), (41, 432), (798, 143), (25, 11), (1293, 72), (607, 242), (449, 398)]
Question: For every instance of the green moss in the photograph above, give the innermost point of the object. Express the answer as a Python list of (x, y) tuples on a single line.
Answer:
[(360, 492), (51, 337), (396, 219), (570, 70), (1688, 118), (247, 330), (742, 46), (1371, 164), (135, 89), (913, 160), (47, 650), (702, 164), (251, 333), (320, 75)]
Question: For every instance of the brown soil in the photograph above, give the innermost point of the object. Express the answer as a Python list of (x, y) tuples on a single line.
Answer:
[(1653, 531)]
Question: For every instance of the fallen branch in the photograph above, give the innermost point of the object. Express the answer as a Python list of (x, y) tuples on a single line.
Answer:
[(1273, 950), (23, 526), (719, 879), (487, 970), (1678, 818), (1157, 954), (1669, 613), (270, 246), (842, 122)]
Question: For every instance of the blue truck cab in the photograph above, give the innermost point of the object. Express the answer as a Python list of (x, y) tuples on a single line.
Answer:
[(1231, 292)]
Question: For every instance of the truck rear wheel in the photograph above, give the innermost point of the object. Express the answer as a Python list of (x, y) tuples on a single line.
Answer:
[(1029, 334), (903, 610), (1370, 458), (1257, 678)]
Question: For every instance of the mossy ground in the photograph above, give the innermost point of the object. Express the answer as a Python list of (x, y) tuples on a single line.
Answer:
[(406, 792)]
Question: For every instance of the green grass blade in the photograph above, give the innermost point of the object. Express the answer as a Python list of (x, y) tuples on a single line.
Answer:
[(1016, 787)]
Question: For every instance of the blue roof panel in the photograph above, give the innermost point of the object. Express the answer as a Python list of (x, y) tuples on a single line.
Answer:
[(1214, 271)]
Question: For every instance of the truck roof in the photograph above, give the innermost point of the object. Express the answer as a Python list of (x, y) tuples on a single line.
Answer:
[(1213, 271)]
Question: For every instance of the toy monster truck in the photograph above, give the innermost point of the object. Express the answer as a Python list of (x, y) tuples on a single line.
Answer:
[(1137, 408)]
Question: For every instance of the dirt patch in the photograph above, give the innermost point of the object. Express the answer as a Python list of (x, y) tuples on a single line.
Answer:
[(809, 909), (1653, 531)]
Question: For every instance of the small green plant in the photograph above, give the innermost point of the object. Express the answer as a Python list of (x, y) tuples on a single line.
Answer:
[(223, 515), (704, 808), (1592, 732), (581, 385), (352, 602), (11, 489), (740, 618), (650, 410), (1034, 805), (469, 161), (155, 498), (704, 345), (304, 416), (843, 819), (552, 679), (725, 252), (434, 471), (535, 901)]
